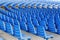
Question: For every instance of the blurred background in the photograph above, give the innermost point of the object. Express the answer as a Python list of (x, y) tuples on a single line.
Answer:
[(31, 0)]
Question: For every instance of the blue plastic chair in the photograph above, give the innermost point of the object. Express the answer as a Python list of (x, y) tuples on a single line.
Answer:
[(57, 21), (41, 32), (2, 25), (51, 25), (17, 31), (9, 28), (30, 25), (18, 34)]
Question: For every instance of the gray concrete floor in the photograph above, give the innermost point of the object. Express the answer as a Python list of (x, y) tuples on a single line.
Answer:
[(33, 37)]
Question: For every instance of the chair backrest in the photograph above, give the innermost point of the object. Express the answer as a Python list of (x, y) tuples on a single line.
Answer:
[(9, 28), (17, 31), (11, 21), (2, 25), (41, 31)]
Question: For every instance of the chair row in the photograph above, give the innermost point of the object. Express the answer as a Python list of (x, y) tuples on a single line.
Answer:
[(41, 15), (39, 30), (50, 16)]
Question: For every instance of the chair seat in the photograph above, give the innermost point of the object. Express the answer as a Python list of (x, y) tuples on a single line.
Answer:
[(25, 37), (49, 36)]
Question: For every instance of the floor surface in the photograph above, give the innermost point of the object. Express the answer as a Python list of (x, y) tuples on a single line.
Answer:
[(33, 37)]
